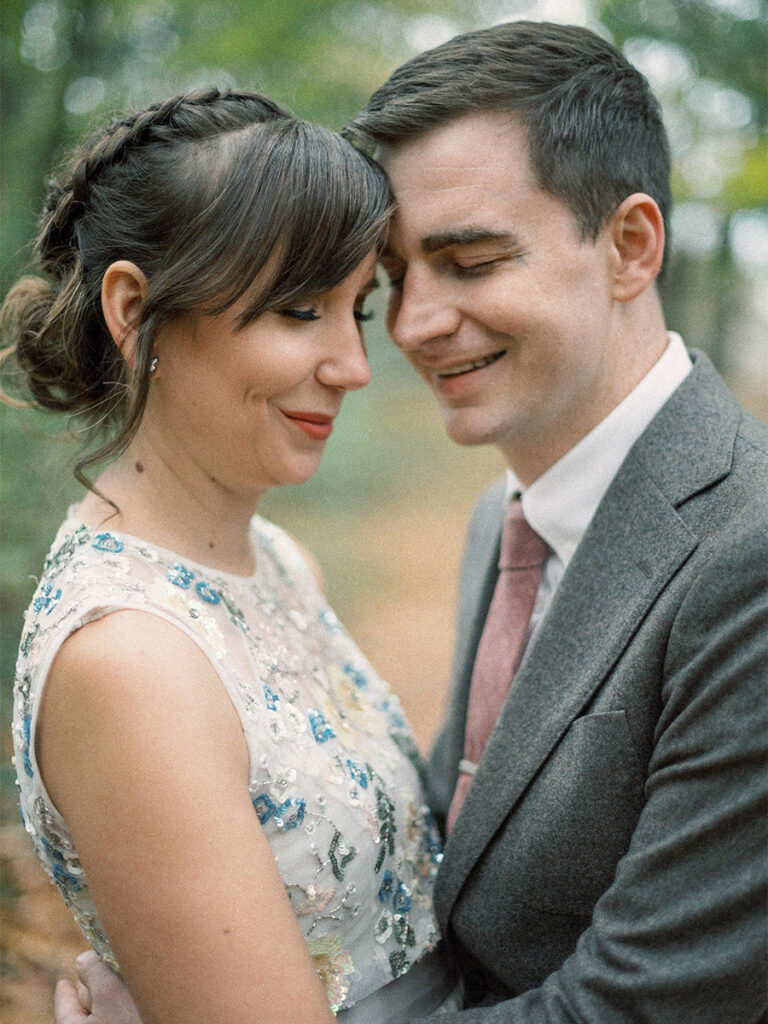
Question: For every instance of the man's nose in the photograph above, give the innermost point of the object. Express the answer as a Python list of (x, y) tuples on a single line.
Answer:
[(420, 311)]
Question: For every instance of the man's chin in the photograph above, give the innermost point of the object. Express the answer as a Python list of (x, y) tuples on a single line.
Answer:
[(461, 430)]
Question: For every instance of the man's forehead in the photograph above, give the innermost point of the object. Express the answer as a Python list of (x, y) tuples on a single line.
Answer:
[(471, 173), (462, 169)]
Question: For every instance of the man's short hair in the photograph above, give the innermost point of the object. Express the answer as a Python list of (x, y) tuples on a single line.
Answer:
[(594, 127)]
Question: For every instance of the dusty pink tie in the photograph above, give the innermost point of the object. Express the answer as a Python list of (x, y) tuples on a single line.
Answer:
[(521, 559)]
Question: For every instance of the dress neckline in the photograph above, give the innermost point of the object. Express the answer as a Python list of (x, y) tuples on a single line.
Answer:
[(74, 522)]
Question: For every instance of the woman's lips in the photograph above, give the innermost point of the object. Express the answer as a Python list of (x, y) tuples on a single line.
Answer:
[(316, 425)]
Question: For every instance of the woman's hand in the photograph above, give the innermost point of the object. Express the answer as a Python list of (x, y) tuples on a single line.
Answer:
[(100, 996)]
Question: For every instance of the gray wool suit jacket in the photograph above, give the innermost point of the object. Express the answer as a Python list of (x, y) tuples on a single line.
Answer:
[(609, 863)]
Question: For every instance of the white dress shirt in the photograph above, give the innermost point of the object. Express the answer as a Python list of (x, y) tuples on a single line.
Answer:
[(561, 503)]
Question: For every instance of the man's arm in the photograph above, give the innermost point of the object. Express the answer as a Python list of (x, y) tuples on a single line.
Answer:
[(680, 934)]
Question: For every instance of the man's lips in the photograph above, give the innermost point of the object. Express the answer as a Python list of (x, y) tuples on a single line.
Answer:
[(317, 425), (468, 366)]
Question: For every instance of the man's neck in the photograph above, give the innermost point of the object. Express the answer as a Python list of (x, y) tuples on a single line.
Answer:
[(640, 343)]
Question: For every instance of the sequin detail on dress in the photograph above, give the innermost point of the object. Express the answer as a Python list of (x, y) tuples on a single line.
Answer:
[(334, 772)]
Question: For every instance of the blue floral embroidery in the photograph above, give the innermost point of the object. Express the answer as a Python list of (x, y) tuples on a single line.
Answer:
[(267, 809), (108, 542), (401, 901), (66, 881), (359, 678), (206, 592), (47, 600), (401, 896), (180, 576), (58, 560), (387, 886), (357, 774), (329, 620), (321, 730), (272, 699), (393, 710), (26, 727), (430, 837)]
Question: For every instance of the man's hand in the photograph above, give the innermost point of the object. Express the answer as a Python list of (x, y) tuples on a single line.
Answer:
[(100, 996)]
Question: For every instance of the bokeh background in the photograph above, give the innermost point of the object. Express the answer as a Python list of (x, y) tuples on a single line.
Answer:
[(386, 512)]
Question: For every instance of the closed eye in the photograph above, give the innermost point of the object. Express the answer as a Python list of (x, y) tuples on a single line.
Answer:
[(363, 317), (301, 314), (475, 268), (479, 266)]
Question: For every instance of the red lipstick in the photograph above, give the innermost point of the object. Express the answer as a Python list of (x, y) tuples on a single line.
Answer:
[(316, 425)]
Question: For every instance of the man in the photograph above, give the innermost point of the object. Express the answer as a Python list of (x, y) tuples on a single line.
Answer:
[(607, 857), (605, 862)]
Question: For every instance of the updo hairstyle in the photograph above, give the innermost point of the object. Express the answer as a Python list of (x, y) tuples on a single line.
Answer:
[(199, 192)]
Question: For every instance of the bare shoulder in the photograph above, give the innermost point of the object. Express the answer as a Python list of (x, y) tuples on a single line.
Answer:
[(128, 656), (120, 681), (118, 636), (113, 641)]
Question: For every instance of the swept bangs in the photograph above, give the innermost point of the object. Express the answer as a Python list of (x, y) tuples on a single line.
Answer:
[(286, 202)]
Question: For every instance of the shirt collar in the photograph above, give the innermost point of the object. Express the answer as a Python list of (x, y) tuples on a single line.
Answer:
[(561, 503)]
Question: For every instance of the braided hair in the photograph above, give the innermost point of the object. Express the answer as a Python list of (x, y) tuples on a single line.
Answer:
[(198, 191)]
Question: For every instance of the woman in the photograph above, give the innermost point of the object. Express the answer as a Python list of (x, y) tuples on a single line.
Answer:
[(224, 791)]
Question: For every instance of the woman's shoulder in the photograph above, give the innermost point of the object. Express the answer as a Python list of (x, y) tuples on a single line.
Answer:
[(96, 565), (83, 570), (285, 551), (91, 575), (95, 555)]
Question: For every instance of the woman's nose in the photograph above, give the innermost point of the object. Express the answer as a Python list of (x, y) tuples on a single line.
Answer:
[(346, 364)]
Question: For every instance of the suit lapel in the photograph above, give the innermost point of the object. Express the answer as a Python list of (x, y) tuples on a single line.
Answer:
[(634, 545)]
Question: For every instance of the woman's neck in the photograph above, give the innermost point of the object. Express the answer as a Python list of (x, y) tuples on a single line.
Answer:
[(183, 512)]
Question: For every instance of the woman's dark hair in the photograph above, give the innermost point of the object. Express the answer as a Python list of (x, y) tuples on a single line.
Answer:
[(594, 127), (199, 192)]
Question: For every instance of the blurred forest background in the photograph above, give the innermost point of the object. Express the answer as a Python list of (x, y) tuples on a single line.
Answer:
[(386, 512)]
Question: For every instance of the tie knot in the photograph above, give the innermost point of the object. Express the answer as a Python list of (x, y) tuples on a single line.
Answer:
[(521, 546)]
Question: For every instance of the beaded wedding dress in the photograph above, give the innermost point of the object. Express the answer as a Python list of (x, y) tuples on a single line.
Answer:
[(334, 771)]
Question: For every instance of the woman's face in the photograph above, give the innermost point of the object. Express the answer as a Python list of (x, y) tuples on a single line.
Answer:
[(250, 409)]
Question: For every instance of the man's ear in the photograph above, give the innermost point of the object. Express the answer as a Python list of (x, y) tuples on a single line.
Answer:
[(123, 291), (637, 229)]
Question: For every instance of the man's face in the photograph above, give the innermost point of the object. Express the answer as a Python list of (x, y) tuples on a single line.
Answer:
[(507, 315)]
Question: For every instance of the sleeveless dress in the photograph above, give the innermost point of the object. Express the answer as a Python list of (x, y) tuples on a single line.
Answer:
[(334, 771)]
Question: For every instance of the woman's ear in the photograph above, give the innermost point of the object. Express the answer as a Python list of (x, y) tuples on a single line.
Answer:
[(638, 239), (123, 291)]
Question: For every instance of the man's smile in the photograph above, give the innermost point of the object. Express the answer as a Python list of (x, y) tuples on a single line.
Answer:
[(469, 365)]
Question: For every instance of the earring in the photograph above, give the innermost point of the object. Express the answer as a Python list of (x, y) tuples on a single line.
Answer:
[(153, 365)]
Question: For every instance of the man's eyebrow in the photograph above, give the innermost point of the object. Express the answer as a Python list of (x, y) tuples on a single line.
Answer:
[(464, 236)]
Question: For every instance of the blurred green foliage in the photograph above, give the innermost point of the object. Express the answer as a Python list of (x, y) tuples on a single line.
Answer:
[(66, 64)]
